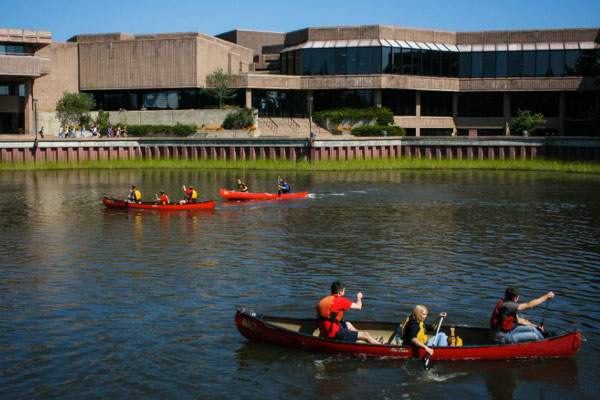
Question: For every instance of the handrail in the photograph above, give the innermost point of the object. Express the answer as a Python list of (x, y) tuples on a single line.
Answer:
[(272, 125), (293, 124)]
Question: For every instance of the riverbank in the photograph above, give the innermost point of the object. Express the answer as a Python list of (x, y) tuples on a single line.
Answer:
[(538, 164)]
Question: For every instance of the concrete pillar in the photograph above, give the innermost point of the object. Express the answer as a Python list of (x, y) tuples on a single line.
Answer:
[(28, 110), (249, 98), (561, 114), (377, 97), (506, 112), (418, 112)]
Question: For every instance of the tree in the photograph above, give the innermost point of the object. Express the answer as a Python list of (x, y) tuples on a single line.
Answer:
[(74, 108), (527, 122), (240, 119), (217, 86)]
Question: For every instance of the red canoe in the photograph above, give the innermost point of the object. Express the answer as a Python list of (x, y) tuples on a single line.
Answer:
[(233, 195), (303, 333), (205, 205)]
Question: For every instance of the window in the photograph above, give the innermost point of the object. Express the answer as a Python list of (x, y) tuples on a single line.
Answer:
[(329, 61), (386, 60), (400, 102), (536, 102), (557, 63), (465, 65), (446, 63), (477, 64), (406, 62), (542, 59), (426, 60), (416, 62), (571, 59), (364, 60), (376, 60), (352, 61), (436, 104), (501, 64), (489, 64), (340, 62), (528, 63), (480, 105), (515, 63), (306, 62), (316, 62)]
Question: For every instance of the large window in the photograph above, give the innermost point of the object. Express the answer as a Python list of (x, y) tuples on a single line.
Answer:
[(436, 104), (528, 63), (489, 64), (542, 61), (480, 105), (328, 99), (400, 102), (536, 102)]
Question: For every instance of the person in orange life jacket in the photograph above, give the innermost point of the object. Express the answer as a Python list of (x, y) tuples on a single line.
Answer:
[(163, 199), (241, 186), (502, 323), (134, 195), (283, 187), (413, 330), (330, 311), (190, 195)]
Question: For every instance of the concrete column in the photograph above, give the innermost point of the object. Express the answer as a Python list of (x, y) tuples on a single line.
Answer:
[(561, 113), (418, 113), (377, 97), (28, 111), (249, 98), (506, 112)]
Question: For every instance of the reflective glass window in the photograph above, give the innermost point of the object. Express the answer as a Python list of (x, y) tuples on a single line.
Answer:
[(316, 62), (21, 90), (400, 102), (376, 60), (426, 62), (340, 56), (352, 60), (436, 63), (465, 65), (477, 64), (386, 60), (406, 61), (454, 64), (328, 61), (501, 64), (515, 63), (557, 62), (397, 58), (528, 63), (480, 105), (283, 63), (545, 103), (364, 60), (2, 49), (416, 61), (489, 64), (542, 61), (306, 61), (445, 63), (588, 60), (571, 59), (436, 104)]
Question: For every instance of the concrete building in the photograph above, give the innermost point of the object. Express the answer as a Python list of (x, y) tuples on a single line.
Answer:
[(436, 82)]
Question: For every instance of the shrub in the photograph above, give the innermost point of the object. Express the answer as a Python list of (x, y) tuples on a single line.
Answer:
[(240, 119), (382, 115), (376, 130), (74, 108)]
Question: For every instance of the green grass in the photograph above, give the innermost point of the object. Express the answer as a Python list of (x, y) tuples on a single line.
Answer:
[(328, 165)]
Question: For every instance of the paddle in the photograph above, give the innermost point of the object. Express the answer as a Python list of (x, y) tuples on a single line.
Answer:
[(544, 316), (434, 341)]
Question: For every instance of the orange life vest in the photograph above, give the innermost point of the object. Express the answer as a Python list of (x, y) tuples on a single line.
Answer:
[(324, 312), (507, 324)]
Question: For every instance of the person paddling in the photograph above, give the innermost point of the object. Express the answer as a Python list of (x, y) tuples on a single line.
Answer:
[(502, 323), (163, 199), (330, 311), (283, 187), (413, 330), (190, 195), (241, 186), (134, 195)]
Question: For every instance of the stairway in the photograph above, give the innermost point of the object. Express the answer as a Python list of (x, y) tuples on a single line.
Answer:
[(289, 127)]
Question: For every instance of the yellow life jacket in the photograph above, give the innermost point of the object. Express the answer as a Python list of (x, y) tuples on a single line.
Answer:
[(421, 335), (194, 194), (138, 195)]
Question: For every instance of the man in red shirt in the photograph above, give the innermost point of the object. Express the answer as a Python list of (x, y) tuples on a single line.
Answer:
[(330, 312)]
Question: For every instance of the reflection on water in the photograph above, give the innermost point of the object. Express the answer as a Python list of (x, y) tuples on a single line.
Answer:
[(99, 303)]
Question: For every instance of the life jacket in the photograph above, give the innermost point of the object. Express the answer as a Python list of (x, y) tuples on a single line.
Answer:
[(137, 195), (164, 199), (506, 325), (193, 195), (242, 187), (324, 313), (420, 335)]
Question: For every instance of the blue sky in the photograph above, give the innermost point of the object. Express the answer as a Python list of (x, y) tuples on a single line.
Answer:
[(69, 18)]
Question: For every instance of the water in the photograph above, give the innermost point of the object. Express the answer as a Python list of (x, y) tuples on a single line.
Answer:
[(99, 303)]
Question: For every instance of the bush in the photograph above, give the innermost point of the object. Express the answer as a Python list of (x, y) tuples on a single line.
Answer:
[(376, 130), (240, 119), (175, 130), (382, 115)]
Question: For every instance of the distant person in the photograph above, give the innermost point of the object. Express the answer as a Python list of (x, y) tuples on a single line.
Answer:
[(109, 131), (163, 199), (283, 187), (330, 312), (241, 186), (190, 195), (134, 195), (41, 132), (124, 131), (82, 132), (61, 132), (70, 132), (118, 132), (502, 322), (414, 328)]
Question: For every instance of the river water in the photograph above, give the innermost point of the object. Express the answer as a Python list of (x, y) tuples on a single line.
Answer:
[(98, 303)]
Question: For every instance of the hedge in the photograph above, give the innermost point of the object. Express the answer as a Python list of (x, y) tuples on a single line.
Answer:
[(376, 130), (383, 115), (176, 130)]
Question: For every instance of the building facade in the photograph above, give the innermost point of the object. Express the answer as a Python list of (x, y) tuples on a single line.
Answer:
[(437, 83)]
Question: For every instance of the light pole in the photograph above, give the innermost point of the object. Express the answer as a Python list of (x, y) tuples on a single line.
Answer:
[(310, 105), (35, 125)]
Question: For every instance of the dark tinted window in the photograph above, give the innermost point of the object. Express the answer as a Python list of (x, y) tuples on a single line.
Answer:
[(397, 67), (542, 61), (445, 63), (464, 65), (436, 104), (489, 64), (406, 61), (426, 62), (477, 65), (529, 63), (340, 61), (480, 105), (306, 62), (316, 62), (386, 60), (536, 102), (376, 60), (515, 63), (454, 64), (352, 61), (328, 61), (416, 62), (571, 59), (400, 102), (364, 60), (501, 64), (557, 62)]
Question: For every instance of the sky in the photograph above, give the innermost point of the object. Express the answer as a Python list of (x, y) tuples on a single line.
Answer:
[(66, 18)]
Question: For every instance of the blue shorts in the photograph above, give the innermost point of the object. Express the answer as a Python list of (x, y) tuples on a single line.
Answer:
[(345, 334)]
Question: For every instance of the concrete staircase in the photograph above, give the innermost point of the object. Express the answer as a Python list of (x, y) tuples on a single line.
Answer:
[(289, 127)]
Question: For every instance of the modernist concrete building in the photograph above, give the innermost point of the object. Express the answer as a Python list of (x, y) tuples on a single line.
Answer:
[(435, 82)]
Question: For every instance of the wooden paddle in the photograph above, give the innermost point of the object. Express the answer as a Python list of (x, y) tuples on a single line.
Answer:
[(544, 316), (434, 341)]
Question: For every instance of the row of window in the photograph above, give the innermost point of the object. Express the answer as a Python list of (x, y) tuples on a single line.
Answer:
[(410, 61), (9, 49), (12, 89)]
